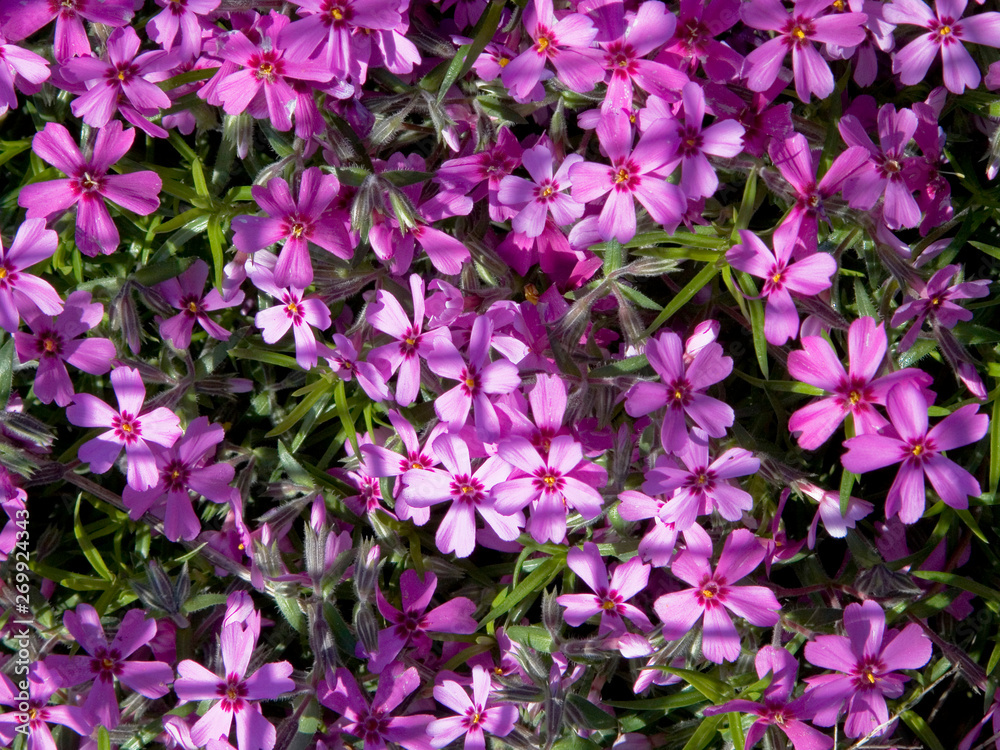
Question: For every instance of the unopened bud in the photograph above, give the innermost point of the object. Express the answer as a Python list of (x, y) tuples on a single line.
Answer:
[(366, 565), (366, 626)]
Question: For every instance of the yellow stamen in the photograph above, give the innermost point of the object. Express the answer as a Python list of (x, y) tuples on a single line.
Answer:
[(547, 191), (622, 175), (503, 61), (542, 43), (337, 14), (944, 30), (193, 307)]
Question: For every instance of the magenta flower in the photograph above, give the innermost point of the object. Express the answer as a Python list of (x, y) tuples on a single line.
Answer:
[(919, 449), (609, 598), (120, 78), (180, 17), (797, 32), (868, 659), (22, 291), (934, 303), (344, 360), (481, 173), (775, 708), (809, 276), (947, 33), (681, 390), (42, 685), (797, 164), (294, 311), (412, 342), (186, 467), (410, 626), (262, 82), (89, 184), (633, 175), (565, 43), (702, 487), (828, 511), (109, 661), (20, 19), (543, 196), (696, 39), (475, 716), (129, 427), (54, 341), (468, 492), (693, 144), (562, 480), (888, 172), (854, 392), (296, 223), (659, 543), (714, 593), (18, 65), (237, 692), (478, 379), (187, 293), (373, 721)]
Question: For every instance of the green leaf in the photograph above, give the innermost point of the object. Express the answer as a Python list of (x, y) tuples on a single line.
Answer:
[(971, 523), (89, 550), (575, 742), (756, 309), (260, 355), (192, 76), (866, 308), (6, 369), (705, 733), (593, 717), (922, 730), (847, 480), (216, 240), (623, 367), (532, 636), (713, 689), (405, 177), (959, 582), (666, 703), (638, 297), (699, 282), (346, 420), (995, 448), (301, 409), (532, 584), (466, 55), (103, 739), (202, 601)]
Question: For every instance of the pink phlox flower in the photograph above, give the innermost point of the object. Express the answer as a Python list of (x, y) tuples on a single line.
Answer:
[(373, 721), (934, 189), (260, 81), (412, 342), (565, 42), (469, 493), (693, 144), (855, 391), (609, 598), (88, 185), (409, 627), (762, 123), (185, 467), (543, 194), (828, 510), (295, 222), (128, 426), (797, 32), (20, 19), (808, 276), (547, 400), (13, 500), (935, 303), (475, 716), (889, 174), (562, 480), (237, 692), (183, 17), (868, 659), (20, 69), (42, 685), (394, 242), (332, 27), (797, 164), (910, 442), (187, 293), (702, 486), (659, 543), (947, 33), (681, 390), (775, 707), (344, 359), (294, 311), (696, 39), (108, 661), (634, 174), (121, 77), (479, 175), (365, 480), (878, 38), (25, 292), (478, 379), (634, 38), (713, 593)]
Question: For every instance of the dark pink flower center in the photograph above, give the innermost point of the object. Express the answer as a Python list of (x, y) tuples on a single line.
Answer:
[(691, 140), (610, 601), (775, 280), (411, 624), (87, 183), (233, 693), (65, 8), (798, 31), (48, 344), (679, 394), (8, 276), (372, 726), (867, 673), (469, 381), (712, 592), (415, 460), (336, 12), (549, 481), (297, 226), (545, 42), (919, 450), (467, 489), (175, 476), (126, 427), (409, 342), (121, 74), (701, 479), (266, 66), (474, 716), (105, 664), (293, 307), (625, 176), (945, 30), (620, 59), (545, 192), (191, 305)]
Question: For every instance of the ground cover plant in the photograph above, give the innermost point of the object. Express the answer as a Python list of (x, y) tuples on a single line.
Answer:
[(390, 374)]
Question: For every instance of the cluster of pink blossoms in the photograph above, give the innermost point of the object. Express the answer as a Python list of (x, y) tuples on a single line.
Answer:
[(493, 427)]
